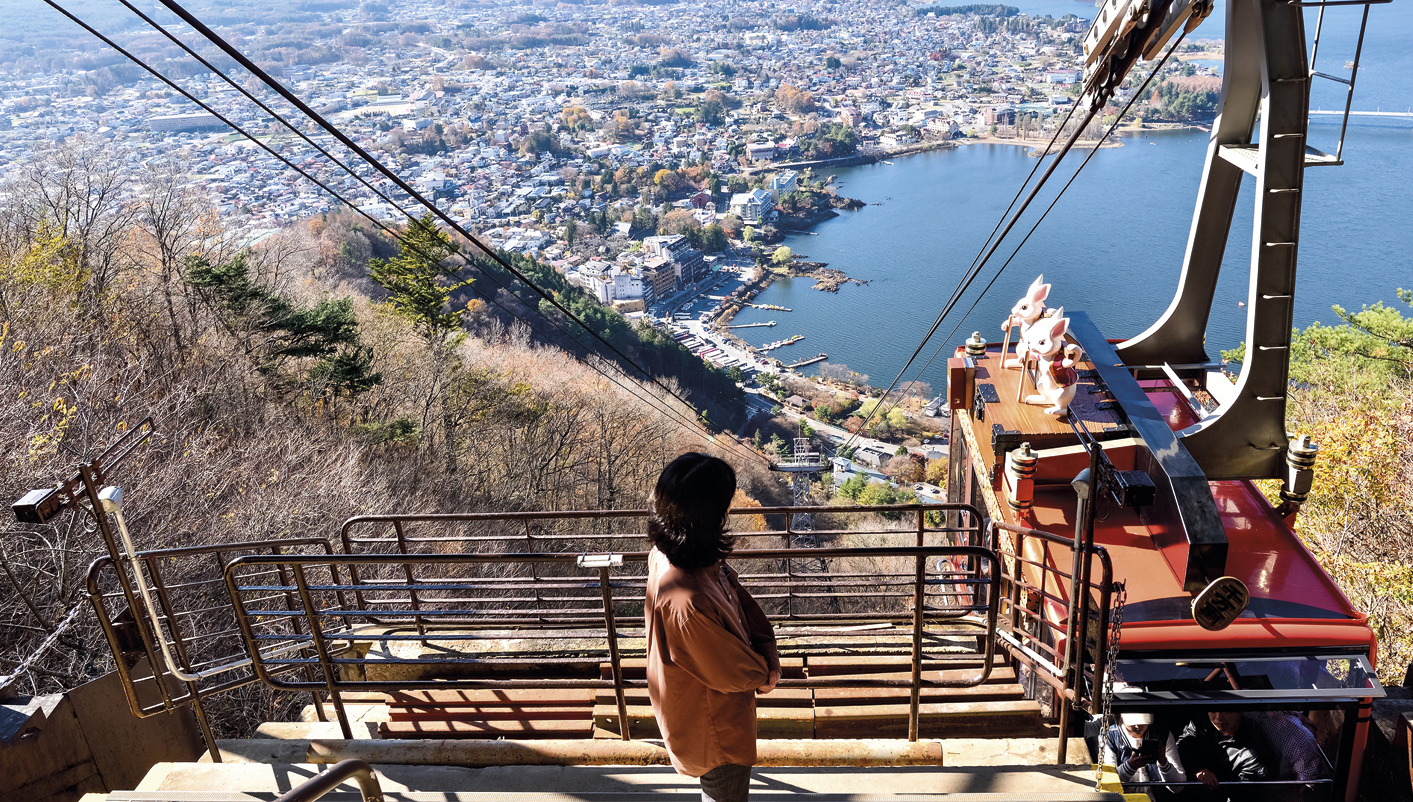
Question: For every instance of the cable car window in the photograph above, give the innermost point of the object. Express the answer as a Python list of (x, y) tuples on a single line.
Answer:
[(1166, 681)]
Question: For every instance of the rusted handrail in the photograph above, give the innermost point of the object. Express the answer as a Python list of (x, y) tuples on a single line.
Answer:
[(119, 632), (1067, 675), (352, 769), (327, 625)]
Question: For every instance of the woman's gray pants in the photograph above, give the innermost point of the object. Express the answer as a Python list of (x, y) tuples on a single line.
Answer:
[(726, 783)]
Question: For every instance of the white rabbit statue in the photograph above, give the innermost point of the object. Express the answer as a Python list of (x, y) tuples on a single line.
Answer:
[(1024, 314), (1055, 379)]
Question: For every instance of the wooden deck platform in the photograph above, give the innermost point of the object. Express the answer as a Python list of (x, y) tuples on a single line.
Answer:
[(1001, 423), (995, 708)]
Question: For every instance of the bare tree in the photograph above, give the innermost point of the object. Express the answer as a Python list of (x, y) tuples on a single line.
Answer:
[(173, 221), (81, 187)]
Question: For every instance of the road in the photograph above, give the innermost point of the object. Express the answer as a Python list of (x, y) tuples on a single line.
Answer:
[(759, 401)]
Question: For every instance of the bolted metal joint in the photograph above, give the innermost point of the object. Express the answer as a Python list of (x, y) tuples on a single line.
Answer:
[(976, 347), (1020, 479), (1299, 475)]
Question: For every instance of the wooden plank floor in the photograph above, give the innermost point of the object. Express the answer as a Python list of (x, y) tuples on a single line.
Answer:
[(995, 708)]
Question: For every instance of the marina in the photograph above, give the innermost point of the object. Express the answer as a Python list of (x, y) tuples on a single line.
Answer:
[(781, 343)]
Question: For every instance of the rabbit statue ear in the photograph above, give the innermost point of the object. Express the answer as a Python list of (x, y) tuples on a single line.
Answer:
[(1059, 327), (1039, 290)]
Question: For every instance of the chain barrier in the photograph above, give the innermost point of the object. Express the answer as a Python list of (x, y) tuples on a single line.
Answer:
[(1106, 695), (44, 646)]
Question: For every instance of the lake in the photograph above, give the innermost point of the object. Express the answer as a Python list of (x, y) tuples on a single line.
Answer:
[(1113, 246)]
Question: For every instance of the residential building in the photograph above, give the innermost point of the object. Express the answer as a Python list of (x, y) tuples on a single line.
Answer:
[(783, 182), (752, 206), (659, 278)]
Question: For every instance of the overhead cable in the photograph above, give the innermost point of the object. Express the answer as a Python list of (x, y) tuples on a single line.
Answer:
[(236, 85), (669, 409), (446, 219), (1117, 119), (976, 269)]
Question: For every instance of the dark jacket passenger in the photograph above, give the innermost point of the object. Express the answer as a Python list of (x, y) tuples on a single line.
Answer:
[(1242, 757)]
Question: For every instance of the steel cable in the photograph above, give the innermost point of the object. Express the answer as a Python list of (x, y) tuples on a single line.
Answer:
[(264, 107), (265, 78), (667, 408), (1119, 118)]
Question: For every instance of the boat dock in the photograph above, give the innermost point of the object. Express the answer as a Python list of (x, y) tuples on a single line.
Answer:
[(781, 343), (751, 325), (822, 356), (770, 306)]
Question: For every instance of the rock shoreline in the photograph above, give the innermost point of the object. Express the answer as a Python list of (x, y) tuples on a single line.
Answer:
[(826, 279), (804, 222)]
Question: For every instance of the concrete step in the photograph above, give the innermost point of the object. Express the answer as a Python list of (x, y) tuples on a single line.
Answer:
[(1012, 717), (780, 697), (581, 727), (771, 722), (180, 782), (1005, 719)]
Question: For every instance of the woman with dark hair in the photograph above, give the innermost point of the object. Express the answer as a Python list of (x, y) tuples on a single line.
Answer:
[(710, 648)]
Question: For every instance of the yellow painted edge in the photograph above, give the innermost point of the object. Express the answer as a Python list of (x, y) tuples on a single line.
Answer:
[(1110, 782)]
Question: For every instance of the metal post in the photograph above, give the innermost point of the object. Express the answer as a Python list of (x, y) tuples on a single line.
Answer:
[(325, 664), (613, 659), (407, 571), (180, 645), (1101, 646), (1353, 76), (1015, 579), (86, 472), (294, 624), (789, 572), (913, 698)]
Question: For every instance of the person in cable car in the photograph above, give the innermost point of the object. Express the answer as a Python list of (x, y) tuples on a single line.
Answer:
[(1297, 754), (1222, 750), (710, 647), (1145, 755)]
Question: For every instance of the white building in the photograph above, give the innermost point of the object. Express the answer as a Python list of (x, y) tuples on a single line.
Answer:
[(752, 206), (783, 182)]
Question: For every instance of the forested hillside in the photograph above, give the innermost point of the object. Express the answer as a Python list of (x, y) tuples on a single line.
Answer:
[(1353, 394), (293, 382)]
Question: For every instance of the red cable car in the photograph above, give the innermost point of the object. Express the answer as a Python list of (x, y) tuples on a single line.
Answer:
[(1137, 459)]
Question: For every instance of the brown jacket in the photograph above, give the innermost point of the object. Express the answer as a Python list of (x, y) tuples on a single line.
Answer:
[(709, 648)]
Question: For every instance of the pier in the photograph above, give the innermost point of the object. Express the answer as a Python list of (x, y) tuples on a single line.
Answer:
[(751, 325), (822, 356), (782, 343), (770, 306)]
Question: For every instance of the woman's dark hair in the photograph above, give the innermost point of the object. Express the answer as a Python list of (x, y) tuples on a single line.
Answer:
[(687, 511)]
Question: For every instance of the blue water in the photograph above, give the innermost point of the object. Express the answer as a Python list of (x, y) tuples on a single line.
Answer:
[(1114, 244)]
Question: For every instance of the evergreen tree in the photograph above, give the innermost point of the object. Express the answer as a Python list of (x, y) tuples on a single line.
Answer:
[(420, 285), (275, 331), (419, 282)]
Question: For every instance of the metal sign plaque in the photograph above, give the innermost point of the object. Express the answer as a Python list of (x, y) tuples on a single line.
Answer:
[(1220, 603)]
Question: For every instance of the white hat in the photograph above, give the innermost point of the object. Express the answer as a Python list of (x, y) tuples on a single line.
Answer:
[(1131, 719)]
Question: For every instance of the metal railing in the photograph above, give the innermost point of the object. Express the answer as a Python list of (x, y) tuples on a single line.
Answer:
[(580, 531), (319, 621), (194, 619), (1038, 628), (1060, 643), (316, 787), (383, 608)]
